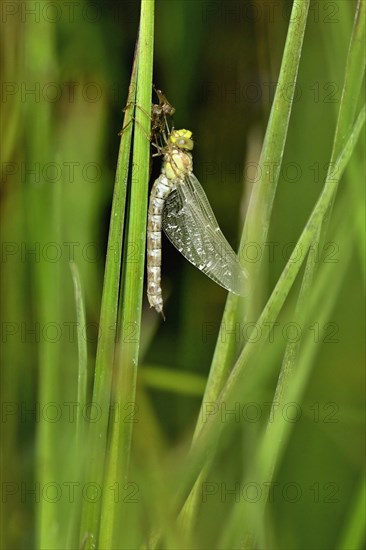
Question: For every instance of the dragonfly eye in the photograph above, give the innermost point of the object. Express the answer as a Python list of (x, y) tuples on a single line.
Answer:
[(182, 139), (185, 143)]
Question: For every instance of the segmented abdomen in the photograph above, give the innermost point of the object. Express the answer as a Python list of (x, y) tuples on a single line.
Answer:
[(159, 192)]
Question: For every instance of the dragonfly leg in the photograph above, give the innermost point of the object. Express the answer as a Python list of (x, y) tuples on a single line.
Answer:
[(133, 119)]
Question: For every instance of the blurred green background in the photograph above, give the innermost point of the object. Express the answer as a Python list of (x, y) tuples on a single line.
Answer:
[(65, 79)]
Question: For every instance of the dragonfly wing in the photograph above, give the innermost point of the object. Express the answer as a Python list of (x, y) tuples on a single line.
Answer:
[(190, 224)]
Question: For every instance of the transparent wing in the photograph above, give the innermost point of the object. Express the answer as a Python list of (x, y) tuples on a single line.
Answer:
[(190, 224)]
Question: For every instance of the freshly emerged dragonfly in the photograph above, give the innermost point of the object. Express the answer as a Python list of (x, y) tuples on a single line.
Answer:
[(179, 205)]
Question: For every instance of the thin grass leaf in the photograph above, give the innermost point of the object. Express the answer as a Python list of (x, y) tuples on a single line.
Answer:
[(83, 353), (82, 396), (354, 532), (354, 75), (42, 209), (356, 174), (107, 329), (114, 514), (166, 379)]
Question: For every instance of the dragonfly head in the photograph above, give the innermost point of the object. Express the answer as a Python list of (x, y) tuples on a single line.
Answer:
[(182, 139)]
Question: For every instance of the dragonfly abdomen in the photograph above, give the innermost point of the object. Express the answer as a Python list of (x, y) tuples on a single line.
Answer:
[(160, 190)]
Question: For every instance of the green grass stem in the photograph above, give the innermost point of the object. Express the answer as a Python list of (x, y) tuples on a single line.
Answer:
[(108, 328), (115, 514)]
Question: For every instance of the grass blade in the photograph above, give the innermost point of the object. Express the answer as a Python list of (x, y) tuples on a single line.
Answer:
[(114, 513), (83, 352), (354, 533), (82, 398), (107, 329)]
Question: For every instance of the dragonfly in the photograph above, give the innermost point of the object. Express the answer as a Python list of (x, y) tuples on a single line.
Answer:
[(179, 206)]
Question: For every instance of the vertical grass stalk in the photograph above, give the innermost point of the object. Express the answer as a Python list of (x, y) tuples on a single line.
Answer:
[(114, 513), (97, 437)]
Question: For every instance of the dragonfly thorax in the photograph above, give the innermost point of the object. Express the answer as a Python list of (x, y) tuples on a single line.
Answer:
[(177, 163)]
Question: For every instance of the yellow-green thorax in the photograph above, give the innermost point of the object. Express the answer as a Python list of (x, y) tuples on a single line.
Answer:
[(178, 162)]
